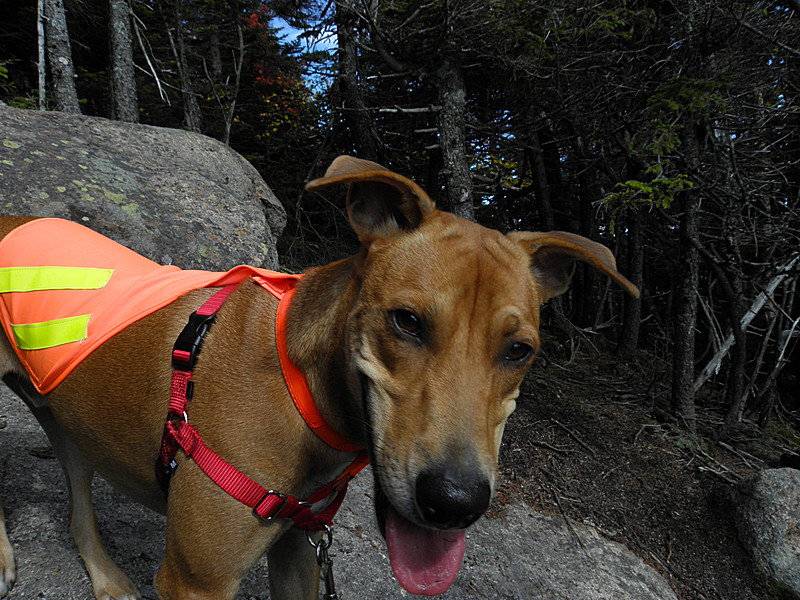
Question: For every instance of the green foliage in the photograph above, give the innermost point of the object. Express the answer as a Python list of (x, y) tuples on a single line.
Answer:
[(689, 96), (619, 23), (658, 192), (665, 138), (677, 102), (526, 31), (9, 92)]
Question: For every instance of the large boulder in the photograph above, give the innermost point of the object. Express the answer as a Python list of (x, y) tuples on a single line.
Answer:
[(177, 197), (767, 513)]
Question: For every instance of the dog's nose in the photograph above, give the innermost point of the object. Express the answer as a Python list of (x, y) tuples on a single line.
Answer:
[(450, 499)]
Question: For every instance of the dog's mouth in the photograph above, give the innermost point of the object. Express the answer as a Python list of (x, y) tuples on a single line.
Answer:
[(424, 561)]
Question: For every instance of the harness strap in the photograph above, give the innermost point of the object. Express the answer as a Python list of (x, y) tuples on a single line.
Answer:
[(266, 504), (298, 388)]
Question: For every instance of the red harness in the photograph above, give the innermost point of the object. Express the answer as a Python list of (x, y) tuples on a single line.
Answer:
[(266, 504)]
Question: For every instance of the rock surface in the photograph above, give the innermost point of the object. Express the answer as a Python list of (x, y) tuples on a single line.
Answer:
[(767, 513), (176, 197), (519, 555)]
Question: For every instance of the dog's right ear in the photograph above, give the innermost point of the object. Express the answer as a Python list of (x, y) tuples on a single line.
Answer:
[(380, 203), (553, 256)]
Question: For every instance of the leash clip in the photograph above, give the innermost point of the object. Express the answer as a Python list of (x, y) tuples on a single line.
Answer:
[(325, 562)]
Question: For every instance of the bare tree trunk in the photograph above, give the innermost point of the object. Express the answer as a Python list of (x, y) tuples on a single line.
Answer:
[(191, 107), (229, 111), (41, 66), (632, 316), (216, 54), (541, 188), (732, 287), (551, 156), (124, 105), (684, 315), (586, 301), (354, 112), (59, 54), (453, 139)]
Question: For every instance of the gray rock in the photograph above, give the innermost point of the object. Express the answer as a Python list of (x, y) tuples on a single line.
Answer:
[(520, 555), (176, 197), (767, 515)]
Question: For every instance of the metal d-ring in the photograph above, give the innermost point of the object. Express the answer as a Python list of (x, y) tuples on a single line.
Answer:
[(324, 543)]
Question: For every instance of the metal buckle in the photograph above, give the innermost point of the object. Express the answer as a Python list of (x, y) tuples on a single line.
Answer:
[(283, 499)]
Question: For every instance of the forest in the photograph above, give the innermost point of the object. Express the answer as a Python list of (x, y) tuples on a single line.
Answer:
[(668, 130)]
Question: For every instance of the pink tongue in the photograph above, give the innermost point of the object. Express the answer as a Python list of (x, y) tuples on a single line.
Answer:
[(424, 561)]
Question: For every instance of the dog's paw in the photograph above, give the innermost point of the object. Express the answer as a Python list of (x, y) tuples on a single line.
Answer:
[(121, 596), (8, 576), (122, 589)]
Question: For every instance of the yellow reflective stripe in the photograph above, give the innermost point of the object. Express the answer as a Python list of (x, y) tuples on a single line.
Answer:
[(33, 279), (37, 336)]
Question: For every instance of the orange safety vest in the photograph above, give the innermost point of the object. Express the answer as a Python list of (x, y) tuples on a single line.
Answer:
[(65, 289)]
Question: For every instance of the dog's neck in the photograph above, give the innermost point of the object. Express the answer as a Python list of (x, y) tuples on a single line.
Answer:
[(316, 338)]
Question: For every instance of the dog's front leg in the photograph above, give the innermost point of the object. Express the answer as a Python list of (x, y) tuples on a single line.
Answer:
[(293, 569), (212, 539), (108, 581)]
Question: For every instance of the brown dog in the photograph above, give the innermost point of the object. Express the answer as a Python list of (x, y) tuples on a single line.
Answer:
[(414, 348)]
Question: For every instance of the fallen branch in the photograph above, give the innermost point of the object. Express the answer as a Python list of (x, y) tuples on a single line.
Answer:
[(569, 525), (726, 474), (548, 447), (398, 109), (714, 364), (575, 436)]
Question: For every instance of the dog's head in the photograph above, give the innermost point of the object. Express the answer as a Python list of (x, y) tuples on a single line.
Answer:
[(445, 327)]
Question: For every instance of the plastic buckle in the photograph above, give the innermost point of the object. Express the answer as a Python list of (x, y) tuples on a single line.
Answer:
[(284, 502), (190, 341)]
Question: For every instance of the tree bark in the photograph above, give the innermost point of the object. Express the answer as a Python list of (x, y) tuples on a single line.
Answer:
[(736, 384), (124, 105), (684, 317), (541, 186), (216, 54), (59, 53), (453, 138), (354, 112), (41, 65), (191, 107), (586, 305), (685, 314), (632, 315)]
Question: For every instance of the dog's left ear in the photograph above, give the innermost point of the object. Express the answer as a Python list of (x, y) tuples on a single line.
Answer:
[(380, 203), (553, 256)]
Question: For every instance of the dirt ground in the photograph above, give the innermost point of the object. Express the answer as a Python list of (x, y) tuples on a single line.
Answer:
[(586, 441)]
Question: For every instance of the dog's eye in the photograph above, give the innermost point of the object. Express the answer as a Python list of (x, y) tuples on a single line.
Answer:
[(407, 322), (518, 352)]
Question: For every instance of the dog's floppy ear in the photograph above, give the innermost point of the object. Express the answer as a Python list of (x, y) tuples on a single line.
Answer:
[(553, 257), (380, 203)]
